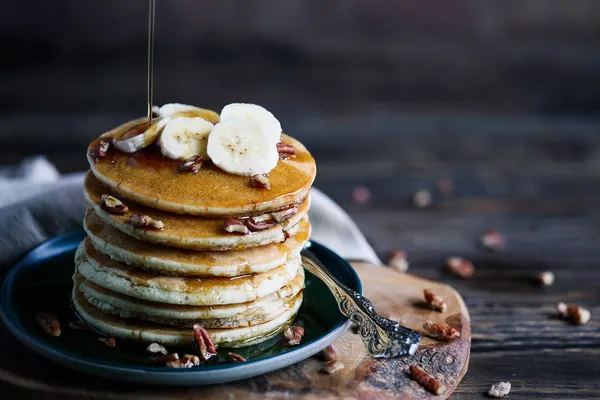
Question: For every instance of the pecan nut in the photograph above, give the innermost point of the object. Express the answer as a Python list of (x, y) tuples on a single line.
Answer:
[(235, 358), (179, 363), (575, 314), (203, 343), (254, 225), (333, 367), (492, 240), (113, 205), (163, 359), (431, 384), (329, 353), (499, 390), (49, 323), (435, 301), (293, 335), (260, 181), (100, 151), (545, 278), (283, 215), (195, 360), (156, 348), (235, 225), (285, 150), (398, 261), (440, 331), (192, 164), (144, 221), (108, 341), (460, 267)]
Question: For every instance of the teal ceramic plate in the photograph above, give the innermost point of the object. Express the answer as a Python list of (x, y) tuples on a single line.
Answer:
[(42, 282)]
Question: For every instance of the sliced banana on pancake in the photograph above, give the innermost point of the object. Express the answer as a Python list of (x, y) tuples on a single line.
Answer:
[(174, 110), (254, 112), (137, 135), (184, 137), (242, 146)]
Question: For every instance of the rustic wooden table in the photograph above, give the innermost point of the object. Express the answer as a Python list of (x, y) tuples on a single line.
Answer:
[(535, 180)]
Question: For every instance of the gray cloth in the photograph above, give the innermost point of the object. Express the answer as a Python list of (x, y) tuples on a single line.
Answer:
[(37, 203)]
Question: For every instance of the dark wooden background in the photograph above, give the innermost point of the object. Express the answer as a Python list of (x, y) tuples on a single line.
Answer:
[(502, 97)]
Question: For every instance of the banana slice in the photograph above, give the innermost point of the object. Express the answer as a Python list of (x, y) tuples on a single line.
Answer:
[(256, 113), (185, 137), (139, 135), (175, 110), (241, 146)]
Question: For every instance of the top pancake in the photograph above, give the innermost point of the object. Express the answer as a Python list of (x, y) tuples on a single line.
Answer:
[(149, 178)]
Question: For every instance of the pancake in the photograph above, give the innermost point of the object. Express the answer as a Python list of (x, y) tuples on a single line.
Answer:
[(131, 281), (225, 316), (143, 331), (185, 231), (171, 261), (149, 178)]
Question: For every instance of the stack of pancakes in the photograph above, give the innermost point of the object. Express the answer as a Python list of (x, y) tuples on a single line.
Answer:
[(153, 285)]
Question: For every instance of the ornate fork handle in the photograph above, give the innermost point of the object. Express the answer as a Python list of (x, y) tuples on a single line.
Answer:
[(382, 337)]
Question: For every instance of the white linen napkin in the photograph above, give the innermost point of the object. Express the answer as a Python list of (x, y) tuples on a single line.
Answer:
[(37, 203)]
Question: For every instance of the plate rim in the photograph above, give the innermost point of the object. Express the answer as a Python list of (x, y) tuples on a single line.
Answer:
[(156, 375)]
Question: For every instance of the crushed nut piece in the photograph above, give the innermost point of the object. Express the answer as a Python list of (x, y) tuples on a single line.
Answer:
[(285, 150), (445, 187), (422, 198), (192, 164), (561, 310), (100, 150), (231, 225), (578, 315), (361, 195), (183, 363), (260, 181), (333, 367), (427, 381), (460, 267), (79, 326), (545, 278), (156, 348), (440, 331), (434, 300), (165, 358), (144, 221), (108, 341), (195, 360), (282, 215), (49, 323), (235, 358), (398, 260), (499, 390), (255, 225), (492, 240), (113, 205), (329, 353), (203, 342), (293, 335)]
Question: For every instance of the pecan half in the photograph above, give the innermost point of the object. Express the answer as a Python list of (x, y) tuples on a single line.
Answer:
[(434, 300), (49, 323), (329, 353), (282, 215), (260, 181), (79, 326), (499, 390), (192, 164), (293, 335), (203, 343), (398, 260), (236, 358), (545, 278), (108, 341), (256, 226), (578, 315), (191, 358), (156, 348), (333, 367), (113, 205), (561, 310), (162, 359), (427, 381), (144, 221), (179, 363), (440, 331), (285, 150), (460, 267), (235, 225), (100, 150)]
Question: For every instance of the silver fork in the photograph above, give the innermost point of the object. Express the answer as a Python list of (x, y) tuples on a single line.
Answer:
[(382, 337)]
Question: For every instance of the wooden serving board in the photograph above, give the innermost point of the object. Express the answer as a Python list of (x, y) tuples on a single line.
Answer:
[(395, 295)]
